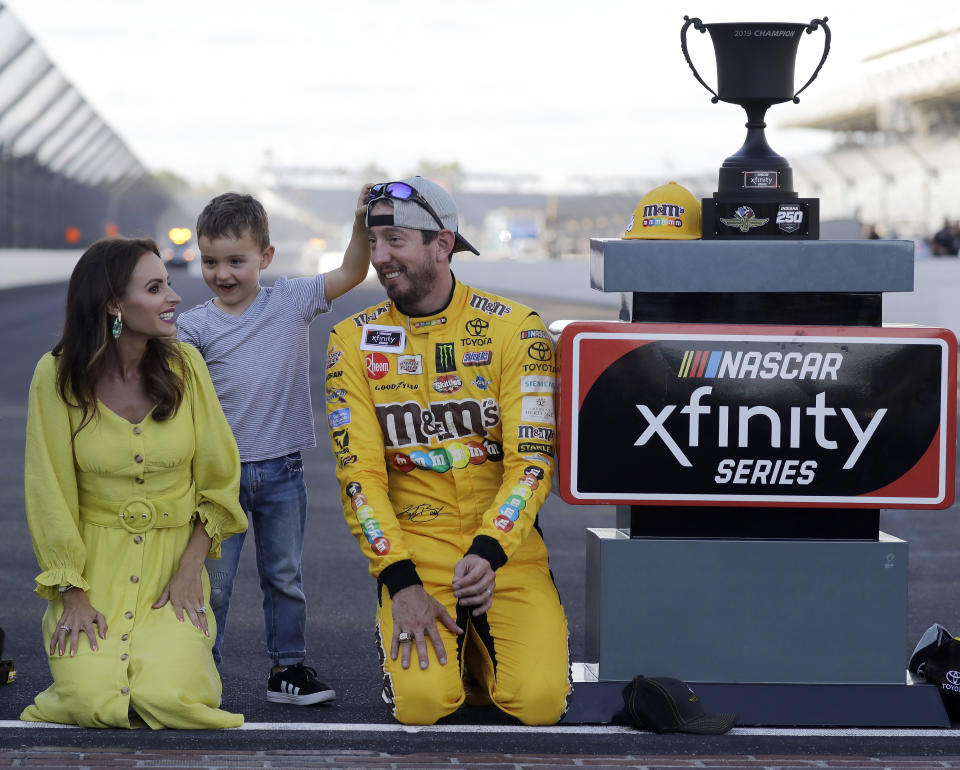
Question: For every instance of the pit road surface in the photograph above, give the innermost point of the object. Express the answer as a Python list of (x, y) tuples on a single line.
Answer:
[(357, 730)]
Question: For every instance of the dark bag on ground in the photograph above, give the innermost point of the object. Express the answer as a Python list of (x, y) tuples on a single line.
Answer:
[(931, 640), (7, 672), (940, 665)]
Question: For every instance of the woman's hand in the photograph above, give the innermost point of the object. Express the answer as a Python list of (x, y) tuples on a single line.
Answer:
[(185, 594), (185, 589), (78, 615)]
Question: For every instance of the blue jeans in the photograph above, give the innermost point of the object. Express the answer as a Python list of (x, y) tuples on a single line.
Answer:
[(274, 496)]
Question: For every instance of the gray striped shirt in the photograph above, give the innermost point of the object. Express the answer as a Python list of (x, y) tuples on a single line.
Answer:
[(260, 363)]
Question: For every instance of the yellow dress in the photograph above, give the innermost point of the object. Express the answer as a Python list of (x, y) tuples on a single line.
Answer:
[(111, 512)]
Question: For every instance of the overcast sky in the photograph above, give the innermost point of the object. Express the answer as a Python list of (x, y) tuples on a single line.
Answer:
[(552, 88)]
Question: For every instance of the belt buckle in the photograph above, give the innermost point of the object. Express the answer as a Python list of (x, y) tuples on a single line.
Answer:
[(138, 516)]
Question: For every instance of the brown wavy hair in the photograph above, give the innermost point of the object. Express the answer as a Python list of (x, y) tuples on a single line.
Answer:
[(87, 349), (233, 214)]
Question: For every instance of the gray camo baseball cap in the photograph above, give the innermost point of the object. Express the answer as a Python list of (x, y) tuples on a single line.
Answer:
[(414, 216)]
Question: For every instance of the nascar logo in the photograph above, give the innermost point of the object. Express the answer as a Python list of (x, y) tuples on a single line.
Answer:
[(725, 364)]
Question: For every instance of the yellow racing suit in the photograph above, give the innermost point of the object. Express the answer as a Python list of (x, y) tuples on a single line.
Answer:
[(442, 429)]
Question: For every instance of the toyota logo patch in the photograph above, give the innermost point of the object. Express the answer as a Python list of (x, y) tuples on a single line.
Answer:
[(476, 327), (540, 351)]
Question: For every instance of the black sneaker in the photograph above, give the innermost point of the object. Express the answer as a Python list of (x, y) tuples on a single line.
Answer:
[(298, 685)]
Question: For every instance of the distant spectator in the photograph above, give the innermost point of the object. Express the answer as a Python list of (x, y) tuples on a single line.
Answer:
[(946, 243), (870, 232)]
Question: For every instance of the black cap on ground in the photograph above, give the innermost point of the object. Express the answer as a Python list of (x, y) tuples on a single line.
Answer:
[(666, 705)]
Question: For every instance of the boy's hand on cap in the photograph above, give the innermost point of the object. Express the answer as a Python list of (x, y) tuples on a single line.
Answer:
[(361, 213)]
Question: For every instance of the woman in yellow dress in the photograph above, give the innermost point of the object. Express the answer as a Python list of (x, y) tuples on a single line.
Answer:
[(132, 479)]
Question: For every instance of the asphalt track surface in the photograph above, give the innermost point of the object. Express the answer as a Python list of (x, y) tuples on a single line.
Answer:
[(342, 598)]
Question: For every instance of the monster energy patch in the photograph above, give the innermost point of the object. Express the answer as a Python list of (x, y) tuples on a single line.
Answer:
[(445, 357)]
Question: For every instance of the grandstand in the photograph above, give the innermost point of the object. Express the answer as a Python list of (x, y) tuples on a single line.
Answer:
[(895, 159), (497, 212), (66, 178)]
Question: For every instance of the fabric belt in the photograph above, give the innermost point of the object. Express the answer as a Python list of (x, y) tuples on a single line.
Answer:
[(139, 514)]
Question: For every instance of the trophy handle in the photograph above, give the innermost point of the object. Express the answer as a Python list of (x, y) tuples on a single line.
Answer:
[(701, 27), (811, 27)]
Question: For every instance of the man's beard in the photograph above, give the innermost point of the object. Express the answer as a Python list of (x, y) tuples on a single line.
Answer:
[(420, 280)]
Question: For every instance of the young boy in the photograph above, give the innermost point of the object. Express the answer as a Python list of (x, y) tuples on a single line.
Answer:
[(255, 343)]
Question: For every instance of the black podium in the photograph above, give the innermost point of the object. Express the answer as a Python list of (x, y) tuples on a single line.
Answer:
[(786, 615)]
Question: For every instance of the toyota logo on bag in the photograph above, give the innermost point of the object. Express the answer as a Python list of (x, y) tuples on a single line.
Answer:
[(953, 677)]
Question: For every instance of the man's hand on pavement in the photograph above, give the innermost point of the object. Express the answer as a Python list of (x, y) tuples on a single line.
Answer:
[(473, 583), (416, 612)]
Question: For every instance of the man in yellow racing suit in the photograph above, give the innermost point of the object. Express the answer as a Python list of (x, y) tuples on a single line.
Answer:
[(440, 407)]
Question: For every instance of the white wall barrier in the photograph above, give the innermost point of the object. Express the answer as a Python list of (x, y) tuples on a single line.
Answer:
[(935, 300)]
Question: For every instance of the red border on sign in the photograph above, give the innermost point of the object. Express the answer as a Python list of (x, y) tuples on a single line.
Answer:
[(924, 475), (592, 368)]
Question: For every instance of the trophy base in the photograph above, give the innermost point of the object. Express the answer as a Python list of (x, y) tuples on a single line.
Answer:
[(734, 218)]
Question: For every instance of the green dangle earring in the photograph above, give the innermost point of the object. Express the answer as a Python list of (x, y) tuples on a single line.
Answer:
[(117, 326)]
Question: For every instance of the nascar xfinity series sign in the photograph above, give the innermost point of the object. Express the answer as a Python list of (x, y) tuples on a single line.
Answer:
[(813, 416)]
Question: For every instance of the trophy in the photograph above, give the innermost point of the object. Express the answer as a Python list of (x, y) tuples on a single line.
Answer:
[(755, 68)]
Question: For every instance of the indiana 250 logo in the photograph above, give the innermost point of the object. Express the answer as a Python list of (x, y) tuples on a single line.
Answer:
[(789, 217)]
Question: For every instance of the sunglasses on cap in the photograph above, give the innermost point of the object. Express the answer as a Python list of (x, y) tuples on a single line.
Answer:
[(401, 191)]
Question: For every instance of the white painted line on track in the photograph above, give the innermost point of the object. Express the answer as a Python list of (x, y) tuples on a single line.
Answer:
[(16, 724), (396, 728), (847, 732), (366, 727)]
